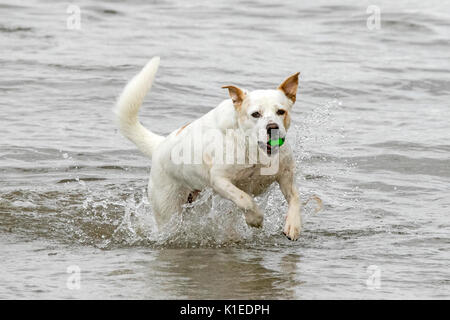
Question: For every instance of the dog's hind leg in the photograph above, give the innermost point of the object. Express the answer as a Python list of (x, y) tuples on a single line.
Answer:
[(167, 199)]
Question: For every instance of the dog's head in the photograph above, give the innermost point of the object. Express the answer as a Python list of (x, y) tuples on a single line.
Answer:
[(264, 115)]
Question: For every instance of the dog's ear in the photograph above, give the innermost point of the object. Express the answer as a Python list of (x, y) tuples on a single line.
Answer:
[(236, 94), (289, 86)]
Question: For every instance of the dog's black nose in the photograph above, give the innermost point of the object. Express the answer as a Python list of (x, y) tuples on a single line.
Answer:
[(270, 127)]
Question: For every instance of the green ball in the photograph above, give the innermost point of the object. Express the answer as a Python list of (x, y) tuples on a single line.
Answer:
[(278, 142)]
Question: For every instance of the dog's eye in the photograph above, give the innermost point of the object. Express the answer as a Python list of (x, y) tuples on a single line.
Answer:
[(280, 112), (256, 114)]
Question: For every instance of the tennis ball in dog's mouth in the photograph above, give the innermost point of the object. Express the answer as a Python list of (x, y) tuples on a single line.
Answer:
[(277, 142)]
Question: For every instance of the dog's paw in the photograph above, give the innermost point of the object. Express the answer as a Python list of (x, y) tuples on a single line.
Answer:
[(254, 219), (292, 227)]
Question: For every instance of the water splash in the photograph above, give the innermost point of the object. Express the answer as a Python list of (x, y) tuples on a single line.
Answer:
[(113, 211)]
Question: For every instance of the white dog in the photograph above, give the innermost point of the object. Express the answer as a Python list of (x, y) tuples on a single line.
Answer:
[(234, 125)]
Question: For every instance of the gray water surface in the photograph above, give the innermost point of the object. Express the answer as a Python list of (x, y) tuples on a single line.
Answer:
[(370, 131)]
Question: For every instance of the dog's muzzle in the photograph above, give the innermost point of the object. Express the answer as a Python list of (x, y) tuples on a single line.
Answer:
[(274, 141)]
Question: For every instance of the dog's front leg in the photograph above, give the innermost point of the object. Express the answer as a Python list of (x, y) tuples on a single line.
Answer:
[(253, 215), (293, 224)]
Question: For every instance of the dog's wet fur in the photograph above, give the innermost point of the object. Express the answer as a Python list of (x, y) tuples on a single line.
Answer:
[(246, 112)]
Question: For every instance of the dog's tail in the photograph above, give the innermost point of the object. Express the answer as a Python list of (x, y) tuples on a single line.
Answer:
[(128, 105)]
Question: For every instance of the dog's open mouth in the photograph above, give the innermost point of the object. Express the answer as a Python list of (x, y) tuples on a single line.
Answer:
[(271, 146)]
